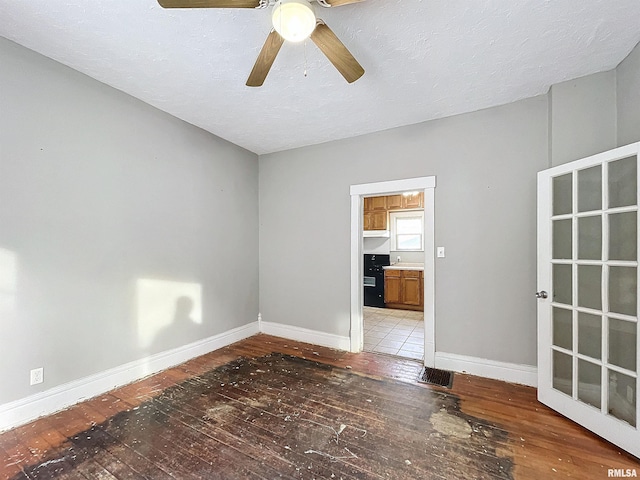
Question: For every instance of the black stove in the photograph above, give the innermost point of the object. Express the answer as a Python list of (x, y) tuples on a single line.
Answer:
[(374, 279)]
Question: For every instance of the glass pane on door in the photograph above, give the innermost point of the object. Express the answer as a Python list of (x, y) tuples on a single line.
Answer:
[(589, 380), (590, 335), (562, 282), (563, 372), (589, 238), (562, 328), (622, 397), (590, 286), (562, 196), (623, 293), (623, 236), (623, 185), (622, 343), (590, 189), (562, 244)]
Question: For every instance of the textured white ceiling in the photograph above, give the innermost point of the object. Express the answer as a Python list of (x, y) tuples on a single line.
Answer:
[(424, 59)]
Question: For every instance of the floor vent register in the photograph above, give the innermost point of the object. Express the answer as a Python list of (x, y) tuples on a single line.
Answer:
[(433, 376)]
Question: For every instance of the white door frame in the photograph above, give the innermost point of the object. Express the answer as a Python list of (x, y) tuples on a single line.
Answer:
[(427, 185)]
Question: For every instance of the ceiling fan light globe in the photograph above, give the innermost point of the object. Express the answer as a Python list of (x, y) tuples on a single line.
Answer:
[(294, 20)]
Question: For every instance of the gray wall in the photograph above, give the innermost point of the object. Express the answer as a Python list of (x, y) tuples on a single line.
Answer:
[(97, 191), (582, 117), (628, 100), (485, 163)]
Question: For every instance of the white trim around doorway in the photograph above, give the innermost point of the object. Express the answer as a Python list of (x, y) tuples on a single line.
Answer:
[(427, 185)]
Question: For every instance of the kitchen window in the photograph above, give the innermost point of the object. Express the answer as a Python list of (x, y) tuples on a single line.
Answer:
[(407, 231)]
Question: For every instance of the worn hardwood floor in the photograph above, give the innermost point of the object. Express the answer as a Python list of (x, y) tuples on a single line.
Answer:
[(240, 412)]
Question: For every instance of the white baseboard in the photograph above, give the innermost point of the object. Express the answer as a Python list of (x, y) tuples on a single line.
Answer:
[(58, 398), (509, 372), (305, 335)]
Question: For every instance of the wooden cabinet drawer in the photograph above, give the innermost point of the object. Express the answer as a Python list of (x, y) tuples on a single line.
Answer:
[(393, 273), (410, 273)]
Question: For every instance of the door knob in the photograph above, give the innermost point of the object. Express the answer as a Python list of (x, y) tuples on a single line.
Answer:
[(541, 294)]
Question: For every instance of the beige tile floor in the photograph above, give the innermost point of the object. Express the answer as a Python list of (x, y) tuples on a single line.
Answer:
[(395, 332)]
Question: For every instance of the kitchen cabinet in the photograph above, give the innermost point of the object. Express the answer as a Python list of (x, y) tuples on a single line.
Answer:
[(412, 201), (378, 204), (376, 209), (375, 220), (394, 202), (411, 287), (405, 202), (403, 289), (392, 286), (375, 213)]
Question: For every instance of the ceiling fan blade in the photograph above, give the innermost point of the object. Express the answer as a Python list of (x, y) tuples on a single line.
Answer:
[(337, 53), (338, 3), (265, 59), (209, 3)]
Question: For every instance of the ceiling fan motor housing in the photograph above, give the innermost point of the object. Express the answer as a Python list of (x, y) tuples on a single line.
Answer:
[(294, 20)]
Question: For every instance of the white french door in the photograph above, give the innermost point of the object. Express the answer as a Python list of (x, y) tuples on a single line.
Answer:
[(588, 281)]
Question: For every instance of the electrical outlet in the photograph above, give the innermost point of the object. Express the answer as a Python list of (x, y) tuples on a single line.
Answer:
[(37, 376)]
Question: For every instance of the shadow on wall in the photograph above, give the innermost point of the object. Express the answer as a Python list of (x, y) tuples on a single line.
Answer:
[(169, 314), (183, 325)]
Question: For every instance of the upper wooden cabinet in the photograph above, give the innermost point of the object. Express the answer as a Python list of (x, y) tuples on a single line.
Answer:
[(376, 209), (378, 203), (413, 200), (394, 202), (375, 220), (375, 213)]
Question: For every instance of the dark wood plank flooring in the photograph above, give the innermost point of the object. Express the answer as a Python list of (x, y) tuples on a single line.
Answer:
[(272, 408)]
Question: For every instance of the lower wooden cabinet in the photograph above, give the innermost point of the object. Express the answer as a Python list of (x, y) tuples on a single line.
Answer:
[(411, 286), (392, 286), (403, 289)]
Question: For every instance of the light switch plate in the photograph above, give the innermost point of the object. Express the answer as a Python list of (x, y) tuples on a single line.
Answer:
[(440, 252)]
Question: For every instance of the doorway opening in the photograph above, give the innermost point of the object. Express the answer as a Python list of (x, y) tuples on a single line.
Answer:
[(393, 247), (385, 241)]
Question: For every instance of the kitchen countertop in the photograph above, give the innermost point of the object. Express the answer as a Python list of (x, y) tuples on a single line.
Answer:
[(405, 266)]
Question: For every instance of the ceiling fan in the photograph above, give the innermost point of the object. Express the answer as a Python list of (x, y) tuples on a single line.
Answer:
[(294, 21)]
